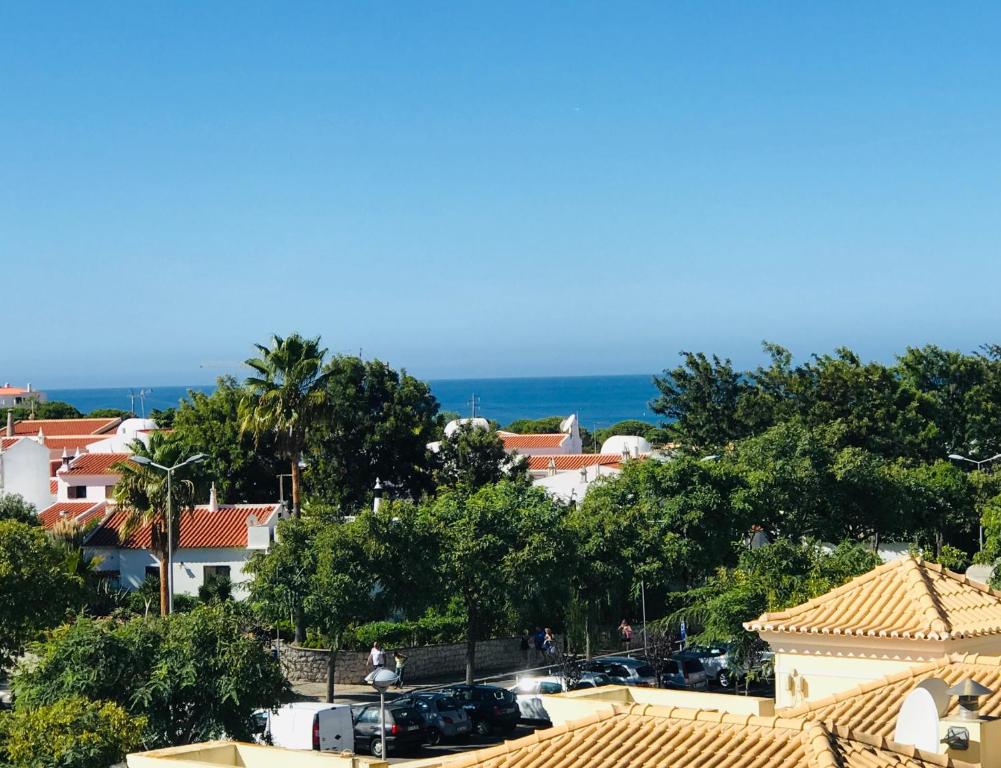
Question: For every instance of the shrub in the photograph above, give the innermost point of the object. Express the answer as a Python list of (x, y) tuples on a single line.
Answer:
[(69, 733), (429, 630)]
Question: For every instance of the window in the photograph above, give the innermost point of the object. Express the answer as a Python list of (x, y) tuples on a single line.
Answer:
[(77, 491), (153, 572), (212, 572), (370, 715)]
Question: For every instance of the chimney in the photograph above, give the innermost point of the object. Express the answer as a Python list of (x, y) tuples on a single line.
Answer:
[(551, 466), (66, 459), (213, 499), (377, 496), (625, 454), (583, 474), (10, 422), (636, 451), (966, 735)]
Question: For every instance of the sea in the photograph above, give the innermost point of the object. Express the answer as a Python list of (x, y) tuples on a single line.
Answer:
[(598, 401)]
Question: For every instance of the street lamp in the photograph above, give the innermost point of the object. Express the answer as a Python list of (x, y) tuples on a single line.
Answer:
[(979, 464), (381, 679), (147, 462)]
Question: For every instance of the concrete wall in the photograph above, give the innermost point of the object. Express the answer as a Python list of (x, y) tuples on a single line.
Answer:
[(24, 470), (431, 661)]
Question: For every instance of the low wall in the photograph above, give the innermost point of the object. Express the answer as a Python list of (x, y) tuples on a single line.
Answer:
[(423, 663)]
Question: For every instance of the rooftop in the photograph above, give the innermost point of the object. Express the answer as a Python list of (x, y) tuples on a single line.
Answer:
[(51, 427), (514, 442), (904, 598), (200, 529), (79, 511), (94, 464), (570, 461)]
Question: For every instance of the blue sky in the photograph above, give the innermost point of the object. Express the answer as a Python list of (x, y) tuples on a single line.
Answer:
[(473, 189)]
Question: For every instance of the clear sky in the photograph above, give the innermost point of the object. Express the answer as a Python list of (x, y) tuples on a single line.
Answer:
[(480, 189)]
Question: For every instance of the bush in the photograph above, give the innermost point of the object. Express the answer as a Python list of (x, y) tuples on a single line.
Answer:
[(69, 733), (430, 630)]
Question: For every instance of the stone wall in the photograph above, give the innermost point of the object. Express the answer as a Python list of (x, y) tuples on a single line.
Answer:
[(423, 663)]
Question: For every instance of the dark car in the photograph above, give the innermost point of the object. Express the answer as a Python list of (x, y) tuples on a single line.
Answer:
[(624, 670), (444, 717), (405, 729), (489, 707), (686, 672)]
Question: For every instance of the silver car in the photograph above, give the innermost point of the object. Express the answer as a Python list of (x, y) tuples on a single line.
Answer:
[(529, 690), (444, 716)]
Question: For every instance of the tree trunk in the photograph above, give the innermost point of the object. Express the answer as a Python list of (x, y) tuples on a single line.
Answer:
[(470, 648), (164, 600), (296, 484), (331, 668)]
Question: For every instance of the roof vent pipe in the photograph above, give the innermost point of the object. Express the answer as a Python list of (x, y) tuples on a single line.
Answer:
[(969, 693), (10, 422), (213, 499)]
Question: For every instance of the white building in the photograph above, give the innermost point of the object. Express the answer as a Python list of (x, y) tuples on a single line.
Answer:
[(571, 487), (567, 440), (90, 476), (24, 470), (216, 540), (11, 397)]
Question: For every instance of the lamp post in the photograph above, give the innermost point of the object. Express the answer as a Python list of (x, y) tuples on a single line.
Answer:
[(381, 679), (978, 464), (144, 461)]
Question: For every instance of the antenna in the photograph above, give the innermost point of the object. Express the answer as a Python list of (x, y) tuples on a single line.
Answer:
[(473, 402), (132, 402), (142, 400)]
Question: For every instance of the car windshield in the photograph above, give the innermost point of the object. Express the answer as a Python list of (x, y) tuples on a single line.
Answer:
[(692, 666), (403, 715)]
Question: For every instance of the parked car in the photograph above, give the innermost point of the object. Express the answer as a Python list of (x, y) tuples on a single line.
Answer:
[(306, 725), (490, 708), (684, 672), (529, 690), (624, 670), (404, 729), (443, 716), (714, 658)]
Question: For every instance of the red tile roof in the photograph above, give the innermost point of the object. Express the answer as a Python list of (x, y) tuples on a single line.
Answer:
[(7, 442), (53, 487), (51, 427), (94, 464), (80, 511), (514, 442), (200, 528), (14, 391), (569, 461), (71, 442)]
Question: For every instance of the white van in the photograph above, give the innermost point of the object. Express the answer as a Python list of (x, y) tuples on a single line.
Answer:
[(307, 725)]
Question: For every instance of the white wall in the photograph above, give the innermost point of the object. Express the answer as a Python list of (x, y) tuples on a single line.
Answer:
[(97, 490), (188, 566), (24, 470)]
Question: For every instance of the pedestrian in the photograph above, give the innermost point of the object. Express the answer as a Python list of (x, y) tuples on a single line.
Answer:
[(549, 643), (401, 662), (539, 640), (525, 646), (376, 657), (626, 634)]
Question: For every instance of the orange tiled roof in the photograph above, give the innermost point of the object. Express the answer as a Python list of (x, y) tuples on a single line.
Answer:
[(872, 707), (903, 598), (14, 391), (94, 464), (644, 736), (71, 442), (514, 442), (7, 442), (569, 461), (51, 427), (200, 528), (53, 487), (78, 511)]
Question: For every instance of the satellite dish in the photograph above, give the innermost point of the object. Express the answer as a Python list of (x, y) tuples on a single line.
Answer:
[(917, 721), (980, 573)]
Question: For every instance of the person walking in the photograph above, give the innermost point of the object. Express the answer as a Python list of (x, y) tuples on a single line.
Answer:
[(525, 647), (401, 664), (626, 634), (539, 640), (549, 643), (376, 657)]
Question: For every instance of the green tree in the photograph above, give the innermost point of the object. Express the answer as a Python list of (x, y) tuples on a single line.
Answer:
[(473, 457), (493, 542), (193, 676), (286, 399), (14, 507), (35, 589), (109, 413), (376, 426), (69, 733), (243, 468), (651, 432), (700, 398), (142, 494)]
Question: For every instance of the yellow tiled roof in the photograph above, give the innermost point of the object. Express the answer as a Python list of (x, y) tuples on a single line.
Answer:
[(872, 707), (903, 598), (645, 736)]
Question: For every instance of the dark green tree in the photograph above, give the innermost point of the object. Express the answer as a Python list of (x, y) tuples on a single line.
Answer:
[(14, 507), (473, 457)]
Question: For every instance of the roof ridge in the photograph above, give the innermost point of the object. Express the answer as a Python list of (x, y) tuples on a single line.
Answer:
[(940, 628), (818, 747), (709, 714)]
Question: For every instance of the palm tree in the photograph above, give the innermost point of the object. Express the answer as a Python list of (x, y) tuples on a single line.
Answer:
[(142, 494), (286, 397)]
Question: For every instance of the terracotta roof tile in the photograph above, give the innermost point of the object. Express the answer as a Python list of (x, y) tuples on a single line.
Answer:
[(200, 528), (645, 736), (53, 487), (872, 707), (79, 511), (902, 598), (514, 442), (94, 464), (52, 427), (71, 442), (569, 461), (14, 391), (8, 442)]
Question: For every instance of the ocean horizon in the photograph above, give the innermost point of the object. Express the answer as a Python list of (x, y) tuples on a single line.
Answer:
[(599, 401)]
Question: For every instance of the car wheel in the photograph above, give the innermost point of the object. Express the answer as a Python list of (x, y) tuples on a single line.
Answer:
[(377, 748), (724, 679), (483, 728), (434, 737)]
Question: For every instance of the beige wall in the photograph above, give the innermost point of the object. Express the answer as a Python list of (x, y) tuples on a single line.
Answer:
[(228, 753)]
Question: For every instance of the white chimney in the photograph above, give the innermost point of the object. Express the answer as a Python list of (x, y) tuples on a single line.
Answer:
[(377, 496), (551, 466), (636, 451), (213, 499), (66, 459), (10, 423)]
